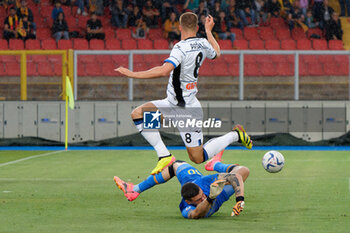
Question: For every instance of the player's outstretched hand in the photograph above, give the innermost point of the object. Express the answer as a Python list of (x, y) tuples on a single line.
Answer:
[(124, 71), (216, 188), (238, 208), (209, 23)]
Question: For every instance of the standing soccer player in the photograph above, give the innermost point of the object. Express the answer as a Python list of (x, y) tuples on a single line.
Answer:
[(183, 65)]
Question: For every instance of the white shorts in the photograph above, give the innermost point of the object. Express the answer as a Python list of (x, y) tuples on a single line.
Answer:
[(191, 135)]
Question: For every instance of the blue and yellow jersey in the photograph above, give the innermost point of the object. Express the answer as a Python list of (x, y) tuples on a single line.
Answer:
[(186, 173)]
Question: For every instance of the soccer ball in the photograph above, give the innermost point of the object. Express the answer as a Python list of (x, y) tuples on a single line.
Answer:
[(273, 161)]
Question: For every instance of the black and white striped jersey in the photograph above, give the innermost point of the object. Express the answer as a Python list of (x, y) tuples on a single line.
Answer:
[(187, 56)]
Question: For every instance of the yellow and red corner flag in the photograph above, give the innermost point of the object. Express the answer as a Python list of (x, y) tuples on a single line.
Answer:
[(70, 104)]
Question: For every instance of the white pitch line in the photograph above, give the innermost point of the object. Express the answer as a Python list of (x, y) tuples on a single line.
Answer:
[(30, 157)]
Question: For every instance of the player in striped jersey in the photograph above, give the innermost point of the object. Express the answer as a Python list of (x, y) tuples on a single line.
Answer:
[(182, 66)]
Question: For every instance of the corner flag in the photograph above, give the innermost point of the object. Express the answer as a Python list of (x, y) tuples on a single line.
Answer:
[(70, 103), (69, 93)]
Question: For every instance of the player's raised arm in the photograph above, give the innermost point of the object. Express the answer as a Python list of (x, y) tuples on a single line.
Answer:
[(155, 72), (209, 24)]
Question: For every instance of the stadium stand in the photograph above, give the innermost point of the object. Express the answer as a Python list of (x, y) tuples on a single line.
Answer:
[(274, 35)]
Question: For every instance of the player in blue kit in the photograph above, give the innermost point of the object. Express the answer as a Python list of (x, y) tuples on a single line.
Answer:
[(202, 196)]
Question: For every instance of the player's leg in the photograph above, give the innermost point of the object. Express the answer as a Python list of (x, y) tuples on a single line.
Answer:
[(201, 153), (153, 137), (132, 191)]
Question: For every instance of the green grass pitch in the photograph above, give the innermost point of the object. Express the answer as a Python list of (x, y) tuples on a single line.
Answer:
[(74, 192)]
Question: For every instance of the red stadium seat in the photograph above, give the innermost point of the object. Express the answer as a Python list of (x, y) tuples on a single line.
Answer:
[(315, 69), (97, 44), (272, 45), (283, 34), (252, 69), (31, 69), (256, 44), (319, 44), (335, 45), (250, 58), (48, 44), (238, 32), (225, 44), (233, 70), (285, 69), (82, 22), (139, 58), (9, 58), (93, 70), (277, 23), (16, 44), (43, 33), (121, 60), (129, 44), (33, 44), (308, 58), (326, 58), (64, 44), (231, 59), (161, 44), (154, 58), (45, 69), (104, 58), (268, 69), (55, 59), (113, 44), (108, 69), (71, 23), (266, 33), (144, 44), (110, 33), (220, 69), (206, 70), (123, 34), (81, 69), (282, 58), (288, 45), (298, 33), (251, 34), (263, 59), (80, 44), (37, 59), (303, 69), (304, 44), (331, 68), (12, 69), (2, 70), (241, 44), (314, 31), (155, 33), (3, 45), (86, 59)]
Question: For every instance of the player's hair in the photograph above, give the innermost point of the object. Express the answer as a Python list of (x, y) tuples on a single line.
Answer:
[(189, 21), (189, 190)]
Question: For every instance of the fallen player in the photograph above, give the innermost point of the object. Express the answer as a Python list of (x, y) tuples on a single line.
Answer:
[(202, 196)]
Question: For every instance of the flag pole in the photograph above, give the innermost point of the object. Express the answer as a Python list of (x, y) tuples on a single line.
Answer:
[(66, 131)]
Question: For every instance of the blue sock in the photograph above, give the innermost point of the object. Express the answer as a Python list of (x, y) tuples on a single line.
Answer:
[(151, 181), (221, 167)]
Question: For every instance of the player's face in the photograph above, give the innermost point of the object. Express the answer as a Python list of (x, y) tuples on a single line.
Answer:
[(196, 200)]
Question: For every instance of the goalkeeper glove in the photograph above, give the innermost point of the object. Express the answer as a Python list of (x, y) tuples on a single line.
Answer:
[(216, 188), (238, 208)]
